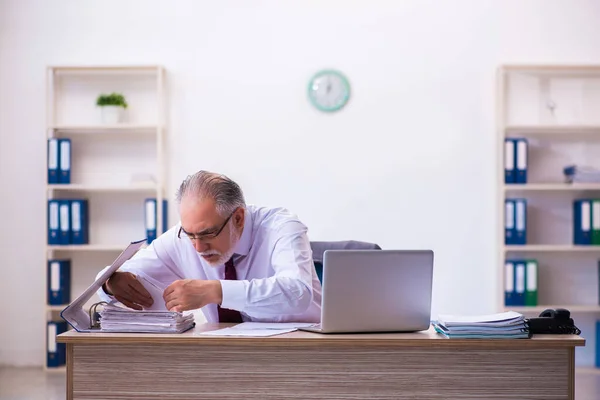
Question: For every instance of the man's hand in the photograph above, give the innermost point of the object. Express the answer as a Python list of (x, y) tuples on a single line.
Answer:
[(191, 294), (125, 287)]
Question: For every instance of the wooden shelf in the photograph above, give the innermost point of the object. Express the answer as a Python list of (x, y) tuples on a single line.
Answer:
[(542, 130), (105, 188), (88, 247), (552, 187), (56, 308), (103, 129), (587, 370), (572, 308), (549, 248)]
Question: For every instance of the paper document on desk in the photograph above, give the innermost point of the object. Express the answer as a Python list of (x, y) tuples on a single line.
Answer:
[(258, 329), (114, 318)]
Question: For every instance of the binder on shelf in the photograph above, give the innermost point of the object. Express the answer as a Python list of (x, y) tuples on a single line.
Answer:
[(65, 161), (59, 282), (509, 161), (509, 283), (56, 352), (595, 222), (521, 160), (509, 222), (598, 344), (53, 155), (151, 218), (53, 222), (582, 221), (79, 221), (531, 283), (519, 283), (64, 212), (520, 206)]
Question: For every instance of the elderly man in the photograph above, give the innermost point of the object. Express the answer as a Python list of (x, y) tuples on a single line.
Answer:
[(235, 262)]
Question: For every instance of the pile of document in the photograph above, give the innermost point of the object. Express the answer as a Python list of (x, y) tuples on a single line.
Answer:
[(506, 325), (114, 318)]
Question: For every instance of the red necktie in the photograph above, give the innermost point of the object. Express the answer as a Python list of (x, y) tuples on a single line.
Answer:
[(225, 314)]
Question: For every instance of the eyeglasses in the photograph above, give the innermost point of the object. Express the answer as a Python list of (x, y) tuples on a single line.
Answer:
[(206, 236)]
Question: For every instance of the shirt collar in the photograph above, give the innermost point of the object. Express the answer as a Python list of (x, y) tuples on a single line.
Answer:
[(243, 246)]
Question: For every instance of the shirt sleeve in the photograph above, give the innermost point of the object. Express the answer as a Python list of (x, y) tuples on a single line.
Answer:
[(155, 263), (289, 290)]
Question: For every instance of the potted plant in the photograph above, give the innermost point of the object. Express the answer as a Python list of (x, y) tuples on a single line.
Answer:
[(111, 107)]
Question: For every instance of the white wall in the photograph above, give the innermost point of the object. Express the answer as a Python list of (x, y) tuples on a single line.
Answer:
[(408, 164)]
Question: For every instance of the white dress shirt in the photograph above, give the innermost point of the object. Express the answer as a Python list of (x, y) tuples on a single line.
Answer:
[(276, 278)]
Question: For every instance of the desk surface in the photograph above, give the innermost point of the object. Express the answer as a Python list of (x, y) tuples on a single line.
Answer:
[(427, 338)]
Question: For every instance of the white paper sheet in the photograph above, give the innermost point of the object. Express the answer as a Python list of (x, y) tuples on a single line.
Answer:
[(234, 331), (272, 325)]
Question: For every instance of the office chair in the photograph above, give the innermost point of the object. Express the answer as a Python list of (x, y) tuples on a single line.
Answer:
[(318, 248)]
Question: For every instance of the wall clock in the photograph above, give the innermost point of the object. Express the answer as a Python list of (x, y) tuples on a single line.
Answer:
[(328, 90)]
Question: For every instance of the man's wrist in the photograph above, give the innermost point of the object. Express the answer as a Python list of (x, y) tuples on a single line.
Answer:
[(218, 292)]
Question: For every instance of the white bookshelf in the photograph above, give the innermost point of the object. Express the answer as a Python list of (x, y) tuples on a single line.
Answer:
[(555, 108), (114, 166)]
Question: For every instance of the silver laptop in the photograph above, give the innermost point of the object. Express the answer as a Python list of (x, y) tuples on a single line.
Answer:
[(376, 291)]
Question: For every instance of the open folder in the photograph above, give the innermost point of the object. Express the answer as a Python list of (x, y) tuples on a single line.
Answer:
[(120, 319)]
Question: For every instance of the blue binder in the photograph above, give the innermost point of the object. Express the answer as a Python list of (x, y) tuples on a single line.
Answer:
[(79, 221), (53, 157), (519, 283), (56, 352), (59, 282), (582, 222), (150, 214), (64, 215), (521, 160), (53, 222), (520, 221), (598, 344), (65, 161), (509, 161), (509, 222), (509, 283)]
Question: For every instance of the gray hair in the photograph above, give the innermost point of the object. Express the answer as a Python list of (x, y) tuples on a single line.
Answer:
[(226, 193)]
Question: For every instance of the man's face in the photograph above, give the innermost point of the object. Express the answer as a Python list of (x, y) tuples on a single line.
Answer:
[(213, 236)]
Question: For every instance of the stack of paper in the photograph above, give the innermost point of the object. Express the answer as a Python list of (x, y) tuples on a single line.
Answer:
[(506, 325), (114, 318)]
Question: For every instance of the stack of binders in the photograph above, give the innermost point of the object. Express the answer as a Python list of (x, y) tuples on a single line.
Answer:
[(521, 283), (68, 221), (507, 325), (586, 222), (515, 223), (59, 161), (515, 160), (59, 282)]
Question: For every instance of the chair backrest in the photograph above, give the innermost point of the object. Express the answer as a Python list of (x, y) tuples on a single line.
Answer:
[(318, 248)]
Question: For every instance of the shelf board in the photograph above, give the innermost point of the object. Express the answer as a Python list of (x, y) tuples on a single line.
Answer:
[(105, 68), (62, 369), (587, 370), (551, 187), (553, 130), (87, 247), (552, 248), (572, 308), (56, 308), (104, 188), (103, 129)]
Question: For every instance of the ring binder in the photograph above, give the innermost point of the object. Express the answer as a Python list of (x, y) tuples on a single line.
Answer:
[(94, 315)]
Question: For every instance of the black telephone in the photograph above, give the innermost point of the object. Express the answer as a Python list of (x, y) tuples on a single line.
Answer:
[(550, 321)]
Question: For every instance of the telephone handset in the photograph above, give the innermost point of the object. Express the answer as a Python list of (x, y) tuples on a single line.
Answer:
[(550, 321)]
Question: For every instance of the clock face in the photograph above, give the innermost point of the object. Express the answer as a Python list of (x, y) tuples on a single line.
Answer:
[(329, 90)]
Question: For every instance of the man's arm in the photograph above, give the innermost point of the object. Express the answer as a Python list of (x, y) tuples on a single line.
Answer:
[(154, 263), (289, 291)]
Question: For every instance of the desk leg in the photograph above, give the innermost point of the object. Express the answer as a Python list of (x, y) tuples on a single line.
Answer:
[(572, 374), (69, 371)]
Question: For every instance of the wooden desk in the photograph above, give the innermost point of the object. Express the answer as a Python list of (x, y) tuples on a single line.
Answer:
[(302, 365)]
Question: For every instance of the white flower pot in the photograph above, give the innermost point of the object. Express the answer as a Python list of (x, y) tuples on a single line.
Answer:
[(111, 114)]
